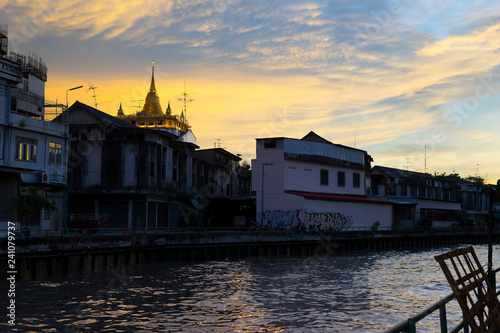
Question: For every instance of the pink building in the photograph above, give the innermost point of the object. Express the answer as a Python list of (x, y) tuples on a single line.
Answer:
[(312, 182)]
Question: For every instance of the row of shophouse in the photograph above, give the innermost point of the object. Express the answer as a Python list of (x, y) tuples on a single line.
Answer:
[(313, 183), (143, 171), (88, 163), (147, 171), (148, 178)]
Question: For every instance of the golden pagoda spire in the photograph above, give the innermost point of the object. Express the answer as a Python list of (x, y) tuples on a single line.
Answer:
[(169, 110), (152, 103), (120, 110), (152, 88)]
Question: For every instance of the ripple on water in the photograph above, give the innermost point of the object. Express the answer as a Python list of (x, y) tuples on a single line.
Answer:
[(362, 292)]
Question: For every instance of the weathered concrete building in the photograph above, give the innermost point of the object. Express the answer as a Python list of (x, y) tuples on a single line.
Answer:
[(427, 200), (474, 200), (418, 198), (145, 177), (224, 187), (132, 174), (33, 150), (313, 182)]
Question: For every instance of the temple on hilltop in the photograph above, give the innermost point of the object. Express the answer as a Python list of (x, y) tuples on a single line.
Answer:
[(152, 115)]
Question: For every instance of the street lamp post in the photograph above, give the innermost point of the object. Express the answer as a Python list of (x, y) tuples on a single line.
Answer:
[(67, 98), (262, 194)]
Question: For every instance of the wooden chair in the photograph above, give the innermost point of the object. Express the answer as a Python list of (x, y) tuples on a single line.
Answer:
[(472, 289)]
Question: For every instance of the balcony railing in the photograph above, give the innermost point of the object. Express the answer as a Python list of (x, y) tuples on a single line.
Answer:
[(11, 69)]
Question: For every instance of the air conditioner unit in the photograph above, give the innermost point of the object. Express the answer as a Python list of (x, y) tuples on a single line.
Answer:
[(43, 177)]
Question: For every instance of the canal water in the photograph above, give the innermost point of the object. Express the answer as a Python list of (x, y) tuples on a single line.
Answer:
[(358, 292)]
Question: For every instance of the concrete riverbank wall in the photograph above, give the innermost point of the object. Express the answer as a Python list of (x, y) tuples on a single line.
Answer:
[(41, 258)]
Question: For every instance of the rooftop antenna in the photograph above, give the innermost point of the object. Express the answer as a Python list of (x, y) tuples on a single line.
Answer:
[(93, 90), (138, 106), (185, 99), (407, 164), (354, 142), (425, 160)]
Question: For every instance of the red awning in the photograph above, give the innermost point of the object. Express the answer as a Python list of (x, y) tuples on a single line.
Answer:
[(339, 197)]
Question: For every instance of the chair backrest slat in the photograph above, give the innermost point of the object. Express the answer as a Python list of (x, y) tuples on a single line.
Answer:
[(472, 289)]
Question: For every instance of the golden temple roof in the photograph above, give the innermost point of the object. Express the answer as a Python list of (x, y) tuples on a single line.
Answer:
[(152, 103), (152, 115)]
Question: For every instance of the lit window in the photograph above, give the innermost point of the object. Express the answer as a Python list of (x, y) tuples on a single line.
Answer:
[(55, 153), (19, 150), (25, 149)]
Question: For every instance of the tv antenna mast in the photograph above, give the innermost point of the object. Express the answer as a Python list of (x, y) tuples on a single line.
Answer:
[(425, 160), (139, 105), (93, 91), (408, 164), (185, 99), (217, 143)]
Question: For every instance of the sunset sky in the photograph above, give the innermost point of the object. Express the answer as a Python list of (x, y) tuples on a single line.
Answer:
[(395, 78)]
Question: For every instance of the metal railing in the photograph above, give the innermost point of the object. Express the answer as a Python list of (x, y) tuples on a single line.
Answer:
[(25, 233), (75, 232), (409, 325)]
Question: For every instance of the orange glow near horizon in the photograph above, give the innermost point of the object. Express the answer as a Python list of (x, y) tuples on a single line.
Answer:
[(395, 83)]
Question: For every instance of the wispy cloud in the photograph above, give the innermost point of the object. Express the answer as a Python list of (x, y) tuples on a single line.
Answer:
[(390, 74)]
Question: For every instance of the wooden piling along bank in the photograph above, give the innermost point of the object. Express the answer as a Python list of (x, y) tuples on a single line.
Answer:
[(43, 258)]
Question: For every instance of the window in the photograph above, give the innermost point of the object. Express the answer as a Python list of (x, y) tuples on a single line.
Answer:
[(269, 143), (152, 162), (404, 189), (26, 149), (356, 180), (55, 153), (33, 153), (341, 179), (152, 166), (13, 104), (324, 176)]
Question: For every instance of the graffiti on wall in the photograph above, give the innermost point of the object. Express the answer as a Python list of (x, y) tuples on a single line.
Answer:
[(327, 221), (311, 221), (282, 219)]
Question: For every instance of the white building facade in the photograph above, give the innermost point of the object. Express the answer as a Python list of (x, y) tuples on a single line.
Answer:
[(314, 184), (33, 163)]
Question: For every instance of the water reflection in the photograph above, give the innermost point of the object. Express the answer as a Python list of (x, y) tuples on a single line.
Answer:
[(357, 292)]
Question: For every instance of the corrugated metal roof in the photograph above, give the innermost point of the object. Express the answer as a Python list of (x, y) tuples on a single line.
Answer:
[(295, 146)]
